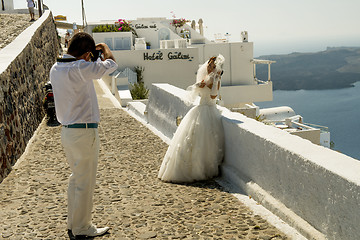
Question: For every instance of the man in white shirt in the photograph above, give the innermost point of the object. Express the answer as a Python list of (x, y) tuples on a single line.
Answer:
[(77, 110), (31, 6)]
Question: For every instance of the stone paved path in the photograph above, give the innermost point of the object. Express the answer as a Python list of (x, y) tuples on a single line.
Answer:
[(128, 198), (11, 25)]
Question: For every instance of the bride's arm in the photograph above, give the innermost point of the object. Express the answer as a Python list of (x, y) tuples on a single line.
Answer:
[(207, 81), (201, 84), (215, 89)]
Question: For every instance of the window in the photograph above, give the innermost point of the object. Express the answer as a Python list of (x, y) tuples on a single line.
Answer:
[(164, 34), (122, 43)]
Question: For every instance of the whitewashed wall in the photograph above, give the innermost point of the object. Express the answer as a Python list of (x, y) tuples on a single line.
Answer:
[(163, 116), (8, 6), (313, 188), (238, 69), (159, 68), (148, 28)]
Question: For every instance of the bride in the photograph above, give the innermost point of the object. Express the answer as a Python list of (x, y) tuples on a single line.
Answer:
[(196, 149)]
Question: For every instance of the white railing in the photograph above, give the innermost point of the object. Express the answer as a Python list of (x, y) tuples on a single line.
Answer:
[(322, 128), (258, 61), (290, 122)]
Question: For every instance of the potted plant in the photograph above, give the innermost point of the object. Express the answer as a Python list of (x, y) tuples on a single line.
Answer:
[(119, 26), (148, 45)]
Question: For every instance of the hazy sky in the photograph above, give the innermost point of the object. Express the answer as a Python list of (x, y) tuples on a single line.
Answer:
[(275, 26)]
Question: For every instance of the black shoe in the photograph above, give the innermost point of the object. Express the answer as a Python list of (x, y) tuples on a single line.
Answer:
[(70, 234), (81, 237)]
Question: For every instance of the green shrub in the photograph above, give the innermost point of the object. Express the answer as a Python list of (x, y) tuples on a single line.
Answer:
[(105, 28), (139, 91), (139, 73)]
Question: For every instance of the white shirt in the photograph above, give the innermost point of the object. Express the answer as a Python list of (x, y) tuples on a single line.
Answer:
[(30, 3), (74, 92)]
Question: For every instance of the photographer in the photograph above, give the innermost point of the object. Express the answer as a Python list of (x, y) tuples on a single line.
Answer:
[(77, 110)]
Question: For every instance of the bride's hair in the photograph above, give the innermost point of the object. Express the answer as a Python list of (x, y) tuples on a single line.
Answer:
[(213, 62), (201, 73)]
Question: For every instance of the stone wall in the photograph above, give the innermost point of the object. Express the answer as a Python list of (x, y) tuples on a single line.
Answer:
[(24, 70)]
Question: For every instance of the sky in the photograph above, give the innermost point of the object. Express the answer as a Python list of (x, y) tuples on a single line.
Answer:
[(275, 26)]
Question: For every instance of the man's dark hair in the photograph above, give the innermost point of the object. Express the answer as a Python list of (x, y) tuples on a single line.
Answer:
[(81, 43)]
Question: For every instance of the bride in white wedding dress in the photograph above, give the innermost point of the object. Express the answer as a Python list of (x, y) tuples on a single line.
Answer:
[(196, 149)]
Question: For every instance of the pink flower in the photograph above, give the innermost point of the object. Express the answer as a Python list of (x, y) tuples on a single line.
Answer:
[(120, 28), (121, 22)]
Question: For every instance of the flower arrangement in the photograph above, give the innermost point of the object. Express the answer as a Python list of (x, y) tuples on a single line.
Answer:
[(123, 26), (179, 22)]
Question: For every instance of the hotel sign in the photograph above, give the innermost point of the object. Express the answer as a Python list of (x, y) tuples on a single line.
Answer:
[(142, 26), (159, 56), (60, 18)]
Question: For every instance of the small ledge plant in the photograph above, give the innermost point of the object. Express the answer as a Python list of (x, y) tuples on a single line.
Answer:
[(138, 90)]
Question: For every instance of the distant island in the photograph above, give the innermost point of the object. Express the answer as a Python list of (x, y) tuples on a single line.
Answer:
[(336, 67)]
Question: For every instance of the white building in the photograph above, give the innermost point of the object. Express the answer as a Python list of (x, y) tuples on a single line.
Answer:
[(173, 59)]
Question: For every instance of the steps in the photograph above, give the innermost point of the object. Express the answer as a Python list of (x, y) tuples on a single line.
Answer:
[(138, 107)]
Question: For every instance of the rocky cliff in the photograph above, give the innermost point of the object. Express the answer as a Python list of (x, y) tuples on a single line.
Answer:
[(329, 69)]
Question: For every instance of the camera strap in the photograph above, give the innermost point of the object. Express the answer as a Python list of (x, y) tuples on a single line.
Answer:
[(66, 59)]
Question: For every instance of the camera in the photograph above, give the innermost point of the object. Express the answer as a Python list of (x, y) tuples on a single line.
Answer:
[(95, 55)]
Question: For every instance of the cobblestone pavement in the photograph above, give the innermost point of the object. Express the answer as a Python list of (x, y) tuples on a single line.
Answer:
[(11, 25), (128, 198)]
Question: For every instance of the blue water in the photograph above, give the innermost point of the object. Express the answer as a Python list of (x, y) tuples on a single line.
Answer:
[(337, 109)]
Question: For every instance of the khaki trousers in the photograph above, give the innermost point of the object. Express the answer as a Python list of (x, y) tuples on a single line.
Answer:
[(81, 147)]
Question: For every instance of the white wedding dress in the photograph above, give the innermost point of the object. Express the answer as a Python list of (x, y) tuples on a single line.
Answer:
[(196, 149)]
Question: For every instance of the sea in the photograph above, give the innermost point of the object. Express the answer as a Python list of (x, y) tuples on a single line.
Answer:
[(337, 109)]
